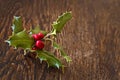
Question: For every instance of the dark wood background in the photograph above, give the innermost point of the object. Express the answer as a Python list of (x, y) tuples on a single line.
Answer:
[(91, 38)]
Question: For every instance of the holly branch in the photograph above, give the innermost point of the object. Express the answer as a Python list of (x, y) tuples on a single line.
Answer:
[(34, 39)]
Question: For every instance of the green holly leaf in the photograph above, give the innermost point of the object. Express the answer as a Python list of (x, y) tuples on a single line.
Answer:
[(56, 46), (37, 30), (21, 39), (61, 21), (51, 59), (67, 58), (17, 25)]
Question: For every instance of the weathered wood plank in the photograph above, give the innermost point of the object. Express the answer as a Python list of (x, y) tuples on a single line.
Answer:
[(91, 38)]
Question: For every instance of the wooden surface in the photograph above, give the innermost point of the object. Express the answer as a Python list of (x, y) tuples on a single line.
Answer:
[(91, 38)]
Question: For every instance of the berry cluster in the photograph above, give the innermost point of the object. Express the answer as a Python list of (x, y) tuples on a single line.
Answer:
[(38, 41)]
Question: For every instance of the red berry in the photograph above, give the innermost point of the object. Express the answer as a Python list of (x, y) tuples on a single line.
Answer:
[(34, 48), (39, 44), (35, 36), (40, 35)]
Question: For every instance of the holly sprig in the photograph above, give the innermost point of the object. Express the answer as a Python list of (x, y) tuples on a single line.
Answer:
[(34, 39)]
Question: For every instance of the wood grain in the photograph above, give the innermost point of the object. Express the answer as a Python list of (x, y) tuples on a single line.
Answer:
[(91, 38)]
